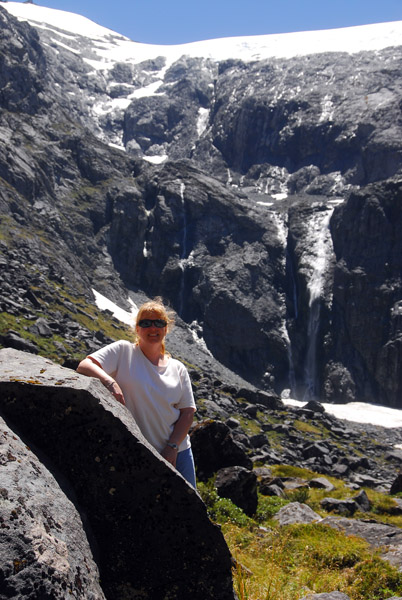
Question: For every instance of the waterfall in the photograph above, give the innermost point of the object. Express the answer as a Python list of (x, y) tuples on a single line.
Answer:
[(319, 251), (282, 232), (183, 251)]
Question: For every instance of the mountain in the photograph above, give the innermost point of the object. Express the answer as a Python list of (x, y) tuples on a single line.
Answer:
[(255, 183)]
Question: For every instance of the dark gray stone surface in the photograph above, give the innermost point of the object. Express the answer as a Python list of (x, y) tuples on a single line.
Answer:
[(44, 549), (150, 528), (327, 596), (240, 485)]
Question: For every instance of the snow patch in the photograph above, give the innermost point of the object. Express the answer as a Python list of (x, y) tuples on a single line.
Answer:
[(120, 314), (202, 121), (359, 412), (149, 90), (156, 160)]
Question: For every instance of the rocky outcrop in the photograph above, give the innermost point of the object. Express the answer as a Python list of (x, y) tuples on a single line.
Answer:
[(147, 529), (214, 448), (302, 120), (367, 287), (240, 485), (220, 263)]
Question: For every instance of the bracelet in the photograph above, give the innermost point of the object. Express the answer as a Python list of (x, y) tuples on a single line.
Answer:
[(174, 446), (109, 385)]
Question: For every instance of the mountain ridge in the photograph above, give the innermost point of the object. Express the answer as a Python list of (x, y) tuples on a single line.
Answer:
[(261, 166), (362, 37)]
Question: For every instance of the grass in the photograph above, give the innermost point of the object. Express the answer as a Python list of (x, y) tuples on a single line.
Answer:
[(87, 315), (308, 428), (289, 562)]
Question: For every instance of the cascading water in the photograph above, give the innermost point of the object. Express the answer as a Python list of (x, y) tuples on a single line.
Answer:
[(320, 252), (282, 232), (183, 252)]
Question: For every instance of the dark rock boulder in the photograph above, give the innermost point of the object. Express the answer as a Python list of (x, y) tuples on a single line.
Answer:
[(44, 549), (362, 501), (343, 507), (321, 483), (271, 489), (214, 448), (12, 340), (240, 485), (149, 530), (314, 406), (396, 486), (258, 440), (314, 450), (270, 400), (363, 479)]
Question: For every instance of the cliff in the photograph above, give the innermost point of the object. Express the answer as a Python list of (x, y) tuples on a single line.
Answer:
[(260, 196)]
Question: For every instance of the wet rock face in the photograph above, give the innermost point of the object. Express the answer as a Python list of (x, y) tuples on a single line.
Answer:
[(367, 280), (217, 260), (303, 111), (147, 529)]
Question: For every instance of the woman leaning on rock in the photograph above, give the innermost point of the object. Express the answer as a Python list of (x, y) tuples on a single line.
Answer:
[(155, 387)]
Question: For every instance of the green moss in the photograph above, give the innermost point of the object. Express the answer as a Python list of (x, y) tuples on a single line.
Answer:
[(314, 431), (249, 426)]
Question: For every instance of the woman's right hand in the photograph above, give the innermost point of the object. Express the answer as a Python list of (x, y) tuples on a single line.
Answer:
[(115, 389), (90, 367)]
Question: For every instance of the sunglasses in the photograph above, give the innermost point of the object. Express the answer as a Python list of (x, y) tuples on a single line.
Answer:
[(144, 323)]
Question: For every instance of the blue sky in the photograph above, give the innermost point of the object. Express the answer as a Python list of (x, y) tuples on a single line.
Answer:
[(182, 21)]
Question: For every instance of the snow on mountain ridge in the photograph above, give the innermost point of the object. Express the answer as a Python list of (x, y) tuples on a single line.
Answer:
[(117, 47)]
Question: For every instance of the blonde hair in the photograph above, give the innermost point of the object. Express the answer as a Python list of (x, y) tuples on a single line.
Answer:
[(157, 306)]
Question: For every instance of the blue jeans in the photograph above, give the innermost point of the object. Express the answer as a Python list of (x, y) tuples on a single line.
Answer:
[(185, 465)]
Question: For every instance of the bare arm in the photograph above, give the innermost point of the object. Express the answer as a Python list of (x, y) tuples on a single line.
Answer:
[(92, 368), (179, 432)]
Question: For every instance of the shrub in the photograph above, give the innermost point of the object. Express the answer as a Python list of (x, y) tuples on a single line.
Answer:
[(221, 510)]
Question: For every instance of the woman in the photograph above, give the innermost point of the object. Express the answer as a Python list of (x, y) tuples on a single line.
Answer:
[(155, 387)]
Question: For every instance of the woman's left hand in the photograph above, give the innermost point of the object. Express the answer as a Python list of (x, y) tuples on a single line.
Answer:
[(170, 454)]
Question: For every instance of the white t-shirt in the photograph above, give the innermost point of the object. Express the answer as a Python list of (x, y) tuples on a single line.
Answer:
[(154, 395)]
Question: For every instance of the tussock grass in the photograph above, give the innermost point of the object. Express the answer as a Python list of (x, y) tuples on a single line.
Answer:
[(289, 562)]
